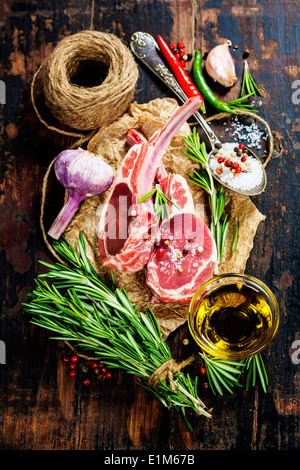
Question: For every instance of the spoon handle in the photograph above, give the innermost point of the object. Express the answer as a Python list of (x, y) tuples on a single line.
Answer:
[(145, 48)]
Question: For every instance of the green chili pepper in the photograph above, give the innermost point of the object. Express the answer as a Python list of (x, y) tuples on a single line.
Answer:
[(207, 93)]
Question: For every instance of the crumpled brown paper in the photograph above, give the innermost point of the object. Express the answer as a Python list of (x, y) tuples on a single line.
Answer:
[(110, 143)]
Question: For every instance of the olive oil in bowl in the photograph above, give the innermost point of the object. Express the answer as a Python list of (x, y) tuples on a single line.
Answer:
[(233, 316)]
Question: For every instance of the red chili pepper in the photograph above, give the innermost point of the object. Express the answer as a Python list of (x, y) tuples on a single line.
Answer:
[(182, 76)]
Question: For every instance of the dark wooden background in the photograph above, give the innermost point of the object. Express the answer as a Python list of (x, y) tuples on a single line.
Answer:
[(41, 407)]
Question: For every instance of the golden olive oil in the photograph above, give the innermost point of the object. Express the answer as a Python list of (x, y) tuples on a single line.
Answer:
[(233, 318)]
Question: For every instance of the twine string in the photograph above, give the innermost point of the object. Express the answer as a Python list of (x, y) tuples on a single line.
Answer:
[(167, 371), (91, 107)]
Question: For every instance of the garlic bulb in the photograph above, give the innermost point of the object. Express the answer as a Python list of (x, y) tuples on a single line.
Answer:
[(83, 175), (220, 66)]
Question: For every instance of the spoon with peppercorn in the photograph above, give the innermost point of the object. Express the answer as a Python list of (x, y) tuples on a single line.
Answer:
[(232, 164)]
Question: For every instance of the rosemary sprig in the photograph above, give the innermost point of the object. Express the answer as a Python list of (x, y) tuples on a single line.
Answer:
[(203, 178), (79, 307), (248, 84), (160, 202), (256, 368), (222, 374)]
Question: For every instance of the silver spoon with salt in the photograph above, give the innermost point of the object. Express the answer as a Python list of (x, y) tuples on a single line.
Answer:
[(145, 48)]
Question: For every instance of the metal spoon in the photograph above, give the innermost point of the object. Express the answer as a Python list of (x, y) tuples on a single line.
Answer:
[(145, 48)]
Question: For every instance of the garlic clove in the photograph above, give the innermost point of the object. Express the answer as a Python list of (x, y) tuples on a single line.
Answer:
[(220, 65)]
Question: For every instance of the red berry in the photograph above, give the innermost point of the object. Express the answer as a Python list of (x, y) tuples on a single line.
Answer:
[(72, 373), (228, 163), (74, 358), (100, 364), (160, 252), (180, 45), (204, 385), (136, 379), (221, 159), (72, 366), (102, 370), (181, 51), (241, 146), (88, 363), (101, 378), (183, 63), (202, 370), (236, 165), (243, 159), (238, 170), (94, 364), (172, 45), (108, 375), (86, 382), (66, 359), (177, 56)]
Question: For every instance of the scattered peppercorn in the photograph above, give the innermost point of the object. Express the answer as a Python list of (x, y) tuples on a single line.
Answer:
[(185, 251), (160, 252), (156, 245), (202, 370), (221, 159), (246, 53), (74, 358), (205, 385)]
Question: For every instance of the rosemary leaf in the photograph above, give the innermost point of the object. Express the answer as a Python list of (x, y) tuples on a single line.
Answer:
[(235, 239)]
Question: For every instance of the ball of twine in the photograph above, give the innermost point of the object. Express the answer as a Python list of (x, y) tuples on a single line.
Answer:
[(89, 108)]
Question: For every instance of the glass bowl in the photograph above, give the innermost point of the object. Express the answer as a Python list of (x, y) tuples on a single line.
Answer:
[(233, 316)]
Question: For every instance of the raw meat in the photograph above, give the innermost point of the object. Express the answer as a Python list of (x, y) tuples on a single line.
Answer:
[(125, 240), (190, 254), (175, 276)]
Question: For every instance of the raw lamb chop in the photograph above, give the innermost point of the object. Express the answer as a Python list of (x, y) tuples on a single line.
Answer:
[(126, 227), (187, 254)]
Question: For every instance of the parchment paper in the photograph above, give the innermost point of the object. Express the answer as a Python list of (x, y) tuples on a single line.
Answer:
[(111, 144)]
